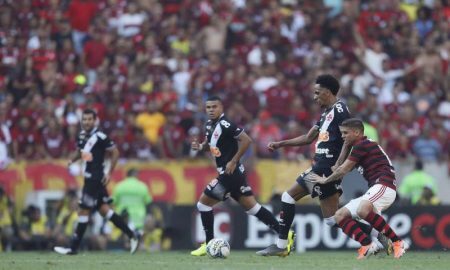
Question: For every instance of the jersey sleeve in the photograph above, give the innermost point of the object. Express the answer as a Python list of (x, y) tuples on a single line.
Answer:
[(230, 129), (341, 113), (106, 141), (358, 152)]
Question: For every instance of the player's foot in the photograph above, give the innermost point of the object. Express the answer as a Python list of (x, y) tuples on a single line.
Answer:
[(65, 251), (366, 251), (386, 242), (201, 251), (291, 241), (400, 248), (273, 250), (134, 244)]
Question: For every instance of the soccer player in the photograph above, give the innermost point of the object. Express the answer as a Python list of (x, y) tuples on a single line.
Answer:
[(377, 169), (93, 145), (328, 148), (227, 143)]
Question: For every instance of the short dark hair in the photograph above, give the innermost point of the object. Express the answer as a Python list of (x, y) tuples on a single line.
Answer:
[(214, 98), (353, 123), (132, 172), (418, 165), (90, 111), (329, 82)]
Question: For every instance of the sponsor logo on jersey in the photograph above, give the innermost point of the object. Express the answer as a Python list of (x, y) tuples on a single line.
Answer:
[(212, 184), (322, 151), (324, 136), (245, 189), (360, 169)]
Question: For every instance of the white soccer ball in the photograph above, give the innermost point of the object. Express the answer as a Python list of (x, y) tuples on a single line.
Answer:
[(218, 248)]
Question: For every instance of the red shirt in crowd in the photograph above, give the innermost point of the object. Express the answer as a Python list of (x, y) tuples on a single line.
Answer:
[(81, 13), (94, 53)]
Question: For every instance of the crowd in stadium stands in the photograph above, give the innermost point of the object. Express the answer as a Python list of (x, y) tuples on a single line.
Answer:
[(147, 66)]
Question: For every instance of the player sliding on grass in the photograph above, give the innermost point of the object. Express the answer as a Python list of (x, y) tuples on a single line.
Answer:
[(227, 143), (377, 169)]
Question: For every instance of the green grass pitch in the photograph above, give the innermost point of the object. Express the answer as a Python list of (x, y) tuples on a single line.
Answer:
[(237, 260)]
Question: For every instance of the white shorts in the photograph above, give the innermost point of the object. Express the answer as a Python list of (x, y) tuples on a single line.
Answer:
[(379, 195)]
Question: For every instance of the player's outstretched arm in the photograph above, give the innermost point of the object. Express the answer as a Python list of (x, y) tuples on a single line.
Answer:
[(301, 140), (244, 142), (342, 170)]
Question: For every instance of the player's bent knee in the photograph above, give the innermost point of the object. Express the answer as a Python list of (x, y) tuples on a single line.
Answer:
[(254, 210), (203, 207), (362, 212), (286, 198), (340, 215)]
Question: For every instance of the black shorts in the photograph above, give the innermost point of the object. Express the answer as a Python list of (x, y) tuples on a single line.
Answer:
[(225, 185), (94, 194), (322, 191)]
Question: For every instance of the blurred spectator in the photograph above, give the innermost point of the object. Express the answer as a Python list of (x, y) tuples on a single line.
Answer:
[(264, 132), (171, 138), (427, 148), (5, 137), (261, 54), (6, 221), (428, 197), (414, 183), (66, 219), (81, 13), (150, 122), (34, 232), (153, 234), (132, 195)]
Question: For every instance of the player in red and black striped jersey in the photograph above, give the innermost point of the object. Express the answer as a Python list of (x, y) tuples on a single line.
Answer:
[(374, 164), (377, 169)]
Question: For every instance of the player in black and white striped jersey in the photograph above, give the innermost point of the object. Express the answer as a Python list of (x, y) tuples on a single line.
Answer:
[(93, 145), (227, 143)]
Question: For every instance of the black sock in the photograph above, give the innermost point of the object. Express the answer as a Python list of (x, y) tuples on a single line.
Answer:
[(208, 224), (286, 218), (119, 223), (78, 235), (366, 228), (267, 217)]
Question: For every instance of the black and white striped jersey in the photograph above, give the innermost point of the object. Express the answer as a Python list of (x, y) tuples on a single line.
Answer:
[(94, 144), (221, 136), (329, 142)]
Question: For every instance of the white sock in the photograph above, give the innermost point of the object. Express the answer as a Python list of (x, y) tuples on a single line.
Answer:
[(282, 243)]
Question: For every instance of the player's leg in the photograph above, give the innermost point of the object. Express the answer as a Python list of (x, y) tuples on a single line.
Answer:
[(377, 199), (87, 202), (286, 238), (344, 219), (106, 211), (213, 193), (205, 207), (253, 208), (75, 241)]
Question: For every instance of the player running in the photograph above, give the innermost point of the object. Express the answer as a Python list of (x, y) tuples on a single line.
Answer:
[(377, 169), (328, 148), (227, 143), (93, 145)]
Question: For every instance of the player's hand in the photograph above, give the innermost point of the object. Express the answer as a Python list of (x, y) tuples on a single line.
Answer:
[(314, 178), (231, 166), (196, 146), (272, 146), (334, 168), (106, 179)]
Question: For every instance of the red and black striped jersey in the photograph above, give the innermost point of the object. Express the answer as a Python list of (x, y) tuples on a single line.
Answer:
[(373, 163)]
